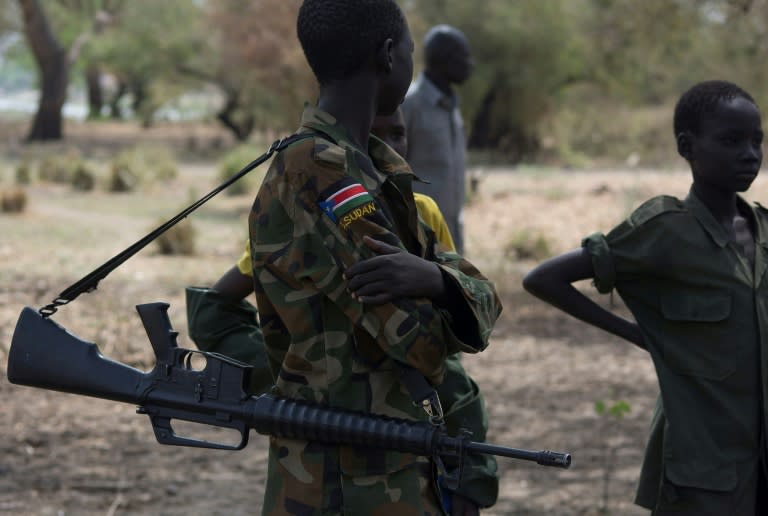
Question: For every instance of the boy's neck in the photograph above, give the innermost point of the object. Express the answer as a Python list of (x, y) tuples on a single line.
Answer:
[(722, 204), (352, 103)]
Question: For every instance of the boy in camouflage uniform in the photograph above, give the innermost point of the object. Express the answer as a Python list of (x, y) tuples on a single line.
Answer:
[(349, 282), (692, 273), (221, 320)]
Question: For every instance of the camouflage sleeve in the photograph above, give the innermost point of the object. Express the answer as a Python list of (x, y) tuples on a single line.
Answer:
[(474, 306), (273, 329), (314, 237)]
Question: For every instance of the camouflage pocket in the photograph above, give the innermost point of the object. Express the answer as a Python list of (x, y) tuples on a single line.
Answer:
[(361, 462), (367, 351), (405, 492)]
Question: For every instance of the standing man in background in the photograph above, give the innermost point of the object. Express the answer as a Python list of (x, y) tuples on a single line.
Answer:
[(435, 129)]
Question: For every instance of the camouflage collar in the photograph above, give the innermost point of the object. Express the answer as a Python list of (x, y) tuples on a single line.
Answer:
[(315, 118), (385, 161)]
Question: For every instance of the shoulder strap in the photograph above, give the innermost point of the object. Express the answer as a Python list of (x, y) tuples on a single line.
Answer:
[(421, 392), (89, 282)]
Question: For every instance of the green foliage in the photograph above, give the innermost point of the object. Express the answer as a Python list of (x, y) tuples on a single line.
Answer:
[(737, 45), (71, 19), (611, 412), (525, 53), (617, 409), (594, 63), (262, 74), (145, 46), (9, 16), (234, 161), (647, 50), (561, 81), (633, 136)]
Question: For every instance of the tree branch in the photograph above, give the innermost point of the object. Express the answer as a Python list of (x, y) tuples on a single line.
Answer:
[(101, 20)]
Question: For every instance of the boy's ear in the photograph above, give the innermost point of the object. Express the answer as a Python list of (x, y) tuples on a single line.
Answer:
[(384, 55), (685, 145)]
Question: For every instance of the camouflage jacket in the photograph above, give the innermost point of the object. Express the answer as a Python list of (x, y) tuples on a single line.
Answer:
[(320, 197)]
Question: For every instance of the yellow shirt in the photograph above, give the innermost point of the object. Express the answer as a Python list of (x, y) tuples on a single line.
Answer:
[(431, 214), (428, 211)]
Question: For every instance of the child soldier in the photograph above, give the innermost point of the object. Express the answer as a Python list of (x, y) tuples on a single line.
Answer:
[(352, 291), (221, 320), (691, 272)]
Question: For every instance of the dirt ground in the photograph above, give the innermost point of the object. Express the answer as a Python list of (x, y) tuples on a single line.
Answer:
[(542, 375)]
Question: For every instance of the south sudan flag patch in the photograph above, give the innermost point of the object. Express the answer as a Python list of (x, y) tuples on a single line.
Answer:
[(345, 201)]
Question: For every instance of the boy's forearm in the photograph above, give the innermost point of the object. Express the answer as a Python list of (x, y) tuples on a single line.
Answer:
[(234, 285), (553, 281), (576, 304)]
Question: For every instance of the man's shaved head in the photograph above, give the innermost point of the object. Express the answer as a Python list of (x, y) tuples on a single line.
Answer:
[(447, 53)]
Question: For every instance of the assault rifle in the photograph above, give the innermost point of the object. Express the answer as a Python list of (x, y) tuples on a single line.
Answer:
[(44, 354)]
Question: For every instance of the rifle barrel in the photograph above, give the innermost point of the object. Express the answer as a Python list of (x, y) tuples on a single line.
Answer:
[(543, 458)]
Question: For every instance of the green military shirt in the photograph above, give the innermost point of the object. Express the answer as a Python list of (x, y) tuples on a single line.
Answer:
[(319, 198), (703, 311)]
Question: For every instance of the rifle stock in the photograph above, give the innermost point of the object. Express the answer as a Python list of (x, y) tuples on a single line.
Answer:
[(44, 354)]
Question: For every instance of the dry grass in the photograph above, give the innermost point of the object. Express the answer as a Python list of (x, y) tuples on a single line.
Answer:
[(541, 376), (13, 200)]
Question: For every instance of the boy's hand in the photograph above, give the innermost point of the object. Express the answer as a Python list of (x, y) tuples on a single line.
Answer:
[(393, 274)]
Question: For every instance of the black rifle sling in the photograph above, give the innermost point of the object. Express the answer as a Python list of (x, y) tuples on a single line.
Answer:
[(89, 282), (421, 392)]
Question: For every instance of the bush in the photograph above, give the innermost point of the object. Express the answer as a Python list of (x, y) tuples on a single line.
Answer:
[(179, 240), (526, 246), (23, 173), (580, 136), (122, 179), (60, 168), (13, 200), (141, 165), (234, 161), (83, 179)]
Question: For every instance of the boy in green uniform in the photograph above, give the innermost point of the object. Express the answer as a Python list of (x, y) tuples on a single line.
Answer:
[(692, 273), (221, 320), (350, 285)]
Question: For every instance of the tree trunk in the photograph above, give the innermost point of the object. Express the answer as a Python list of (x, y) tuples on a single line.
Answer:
[(114, 105), (139, 91), (48, 120), (95, 94), (480, 134), (241, 129), (53, 66)]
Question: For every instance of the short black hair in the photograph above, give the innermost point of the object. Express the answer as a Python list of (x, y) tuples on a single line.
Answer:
[(337, 36), (702, 98), (441, 41)]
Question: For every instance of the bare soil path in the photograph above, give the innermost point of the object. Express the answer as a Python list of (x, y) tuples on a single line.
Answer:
[(68, 455)]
